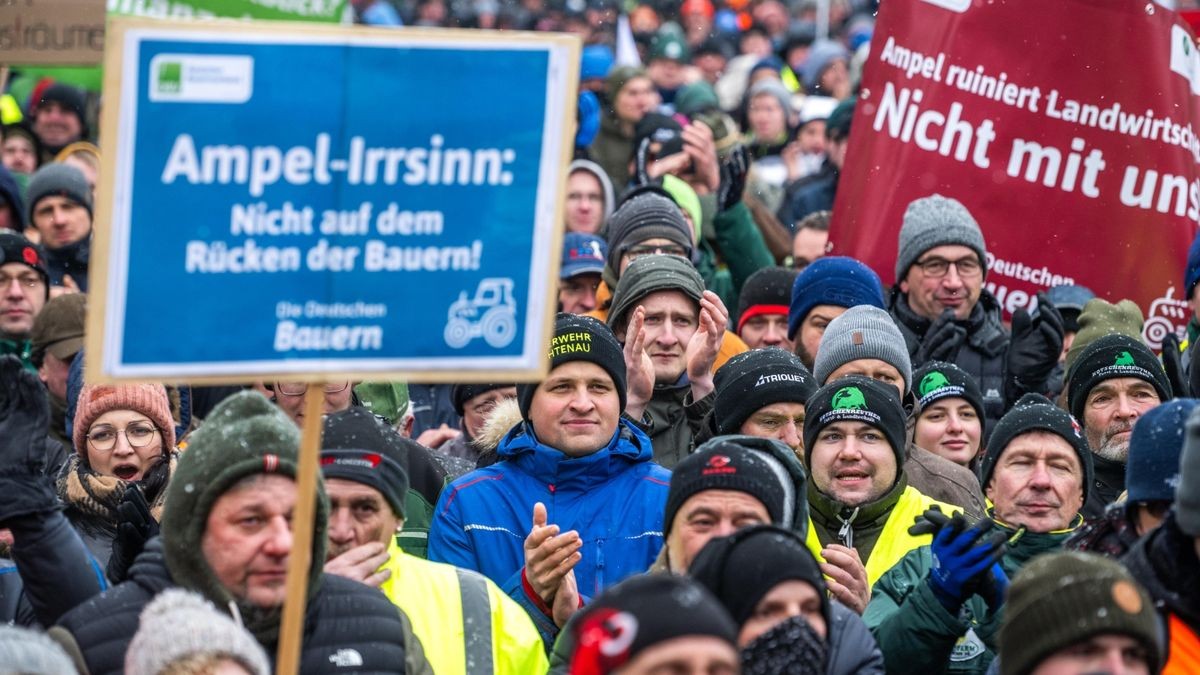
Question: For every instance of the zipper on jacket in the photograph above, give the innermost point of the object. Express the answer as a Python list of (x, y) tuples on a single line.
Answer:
[(846, 531)]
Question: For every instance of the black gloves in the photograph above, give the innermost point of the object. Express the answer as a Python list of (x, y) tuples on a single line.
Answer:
[(1173, 365), (733, 178), (942, 341), (1036, 344), (135, 527), (24, 420)]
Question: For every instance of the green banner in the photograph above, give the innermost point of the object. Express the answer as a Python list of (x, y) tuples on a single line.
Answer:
[(322, 11)]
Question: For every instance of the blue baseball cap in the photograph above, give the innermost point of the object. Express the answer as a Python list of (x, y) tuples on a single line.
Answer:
[(582, 254)]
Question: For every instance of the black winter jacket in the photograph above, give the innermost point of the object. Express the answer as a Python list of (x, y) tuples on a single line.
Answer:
[(51, 571), (983, 355), (348, 627)]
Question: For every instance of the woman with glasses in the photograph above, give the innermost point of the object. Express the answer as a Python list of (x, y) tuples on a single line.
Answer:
[(124, 437)]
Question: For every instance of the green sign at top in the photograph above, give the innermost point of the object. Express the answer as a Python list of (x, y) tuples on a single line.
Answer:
[(324, 11)]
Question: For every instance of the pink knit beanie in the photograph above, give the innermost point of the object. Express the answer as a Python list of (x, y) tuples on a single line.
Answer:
[(147, 399)]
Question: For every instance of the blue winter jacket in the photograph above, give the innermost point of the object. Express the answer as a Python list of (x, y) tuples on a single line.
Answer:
[(614, 498)]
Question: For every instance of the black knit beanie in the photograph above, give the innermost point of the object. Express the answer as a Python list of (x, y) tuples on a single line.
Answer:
[(937, 380), (767, 291), (15, 248), (733, 463), (640, 612), (756, 379), (71, 98), (1063, 598), (244, 435), (645, 214), (1034, 412), (358, 447), (742, 568), (580, 338), (1112, 356), (855, 398), (461, 393), (650, 274)]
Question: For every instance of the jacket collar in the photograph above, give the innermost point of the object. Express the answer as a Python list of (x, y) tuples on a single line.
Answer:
[(520, 447), (833, 514), (1024, 545), (985, 330), (1107, 471)]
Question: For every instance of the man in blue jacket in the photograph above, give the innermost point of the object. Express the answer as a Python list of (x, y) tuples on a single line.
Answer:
[(576, 502)]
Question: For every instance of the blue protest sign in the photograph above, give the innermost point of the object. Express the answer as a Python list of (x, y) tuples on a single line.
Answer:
[(329, 201)]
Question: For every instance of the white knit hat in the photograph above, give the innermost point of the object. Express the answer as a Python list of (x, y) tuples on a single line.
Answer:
[(30, 652), (178, 624)]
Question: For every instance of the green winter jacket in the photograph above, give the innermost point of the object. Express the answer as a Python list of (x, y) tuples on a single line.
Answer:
[(916, 633), (672, 420)]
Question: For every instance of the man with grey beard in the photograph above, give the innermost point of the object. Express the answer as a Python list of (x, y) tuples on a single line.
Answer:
[(1115, 380)]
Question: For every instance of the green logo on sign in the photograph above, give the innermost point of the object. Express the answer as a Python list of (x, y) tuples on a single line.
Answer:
[(932, 382), (170, 77), (1123, 359), (849, 398)]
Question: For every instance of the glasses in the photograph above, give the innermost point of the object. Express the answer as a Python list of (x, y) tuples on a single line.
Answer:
[(29, 280), (635, 252), (138, 435), (299, 388), (938, 267)]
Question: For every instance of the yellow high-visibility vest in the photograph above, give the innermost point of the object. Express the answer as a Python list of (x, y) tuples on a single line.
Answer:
[(894, 541), (461, 617)]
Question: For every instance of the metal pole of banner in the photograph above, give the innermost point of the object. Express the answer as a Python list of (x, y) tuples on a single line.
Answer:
[(822, 19), (291, 628)]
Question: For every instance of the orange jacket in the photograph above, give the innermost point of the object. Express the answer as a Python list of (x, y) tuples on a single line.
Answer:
[(1185, 649)]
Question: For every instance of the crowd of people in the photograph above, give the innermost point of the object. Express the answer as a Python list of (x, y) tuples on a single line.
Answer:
[(748, 455)]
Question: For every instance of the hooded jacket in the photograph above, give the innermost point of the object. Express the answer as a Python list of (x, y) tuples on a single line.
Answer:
[(606, 186), (918, 635), (345, 623), (612, 150), (10, 194), (614, 498)]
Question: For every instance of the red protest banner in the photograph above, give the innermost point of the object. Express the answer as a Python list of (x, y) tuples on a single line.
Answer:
[(1068, 128)]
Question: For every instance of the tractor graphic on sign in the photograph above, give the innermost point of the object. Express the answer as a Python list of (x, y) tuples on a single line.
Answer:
[(491, 314)]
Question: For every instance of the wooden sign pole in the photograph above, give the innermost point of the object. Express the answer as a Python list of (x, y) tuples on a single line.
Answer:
[(291, 629)]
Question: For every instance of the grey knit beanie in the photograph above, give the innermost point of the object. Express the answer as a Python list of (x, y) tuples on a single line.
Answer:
[(30, 652), (936, 221), (776, 89), (648, 214), (647, 275), (862, 332), (1187, 493), (58, 180), (179, 624)]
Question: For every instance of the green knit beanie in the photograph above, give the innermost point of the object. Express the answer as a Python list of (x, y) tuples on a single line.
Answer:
[(1100, 318), (244, 435), (1064, 598)]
